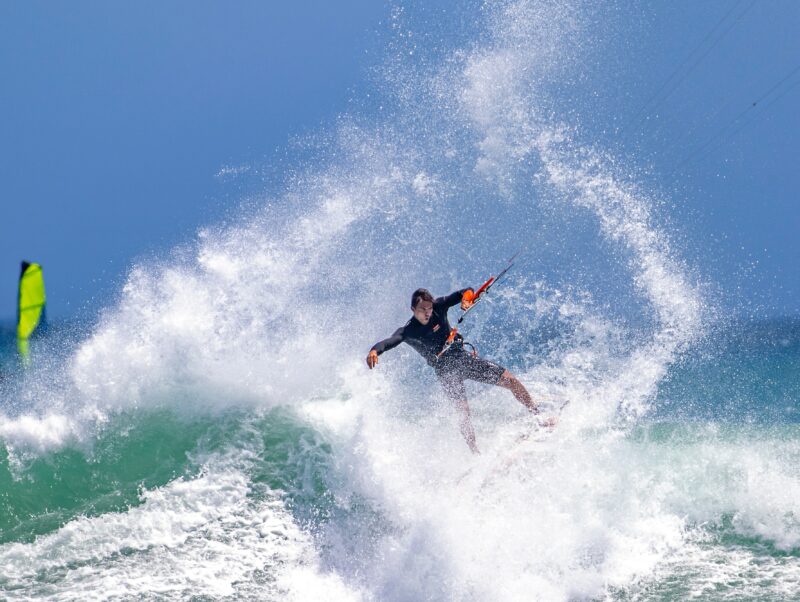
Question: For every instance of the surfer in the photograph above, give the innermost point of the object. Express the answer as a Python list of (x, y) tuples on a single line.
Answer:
[(429, 333)]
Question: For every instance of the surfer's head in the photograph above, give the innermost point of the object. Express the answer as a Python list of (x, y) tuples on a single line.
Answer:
[(422, 305)]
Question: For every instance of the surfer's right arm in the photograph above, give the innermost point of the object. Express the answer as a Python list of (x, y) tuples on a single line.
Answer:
[(384, 345)]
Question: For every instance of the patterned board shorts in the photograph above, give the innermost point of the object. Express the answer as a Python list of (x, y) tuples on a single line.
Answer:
[(456, 366)]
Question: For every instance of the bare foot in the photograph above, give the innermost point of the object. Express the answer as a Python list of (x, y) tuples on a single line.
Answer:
[(549, 422)]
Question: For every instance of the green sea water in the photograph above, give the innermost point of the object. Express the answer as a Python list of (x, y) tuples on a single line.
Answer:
[(728, 475)]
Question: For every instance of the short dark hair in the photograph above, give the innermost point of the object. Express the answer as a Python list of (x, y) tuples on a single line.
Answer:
[(421, 293)]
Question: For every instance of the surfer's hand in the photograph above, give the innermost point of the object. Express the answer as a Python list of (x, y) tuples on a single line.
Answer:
[(467, 299), (372, 359)]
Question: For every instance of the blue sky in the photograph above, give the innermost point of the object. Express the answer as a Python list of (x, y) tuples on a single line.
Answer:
[(117, 117), (116, 120)]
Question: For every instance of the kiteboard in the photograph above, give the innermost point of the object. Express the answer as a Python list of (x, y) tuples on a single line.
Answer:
[(533, 434)]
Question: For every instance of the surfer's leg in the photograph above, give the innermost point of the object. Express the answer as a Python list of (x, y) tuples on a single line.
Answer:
[(510, 382), (485, 371), (453, 384), (465, 425)]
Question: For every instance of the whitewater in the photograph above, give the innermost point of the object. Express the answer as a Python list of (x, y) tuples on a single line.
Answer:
[(217, 435)]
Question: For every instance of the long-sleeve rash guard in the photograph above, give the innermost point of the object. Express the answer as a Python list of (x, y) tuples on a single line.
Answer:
[(426, 339)]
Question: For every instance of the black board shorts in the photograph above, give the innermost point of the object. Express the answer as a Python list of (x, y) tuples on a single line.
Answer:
[(456, 366)]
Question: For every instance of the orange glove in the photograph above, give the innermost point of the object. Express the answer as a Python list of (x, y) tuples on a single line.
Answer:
[(467, 299), (372, 359)]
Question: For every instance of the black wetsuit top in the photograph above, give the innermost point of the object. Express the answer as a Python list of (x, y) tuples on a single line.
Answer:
[(427, 339)]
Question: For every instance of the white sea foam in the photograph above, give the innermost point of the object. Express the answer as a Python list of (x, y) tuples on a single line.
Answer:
[(39, 434), (199, 537), (703, 570), (572, 514)]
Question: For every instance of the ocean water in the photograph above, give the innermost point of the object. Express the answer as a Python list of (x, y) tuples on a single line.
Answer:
[(214, 433)]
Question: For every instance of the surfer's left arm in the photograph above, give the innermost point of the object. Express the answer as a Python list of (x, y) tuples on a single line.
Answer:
[(464, 296)]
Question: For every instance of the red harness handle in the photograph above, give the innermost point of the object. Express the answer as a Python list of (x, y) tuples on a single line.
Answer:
[(448, 343), (483, 288)]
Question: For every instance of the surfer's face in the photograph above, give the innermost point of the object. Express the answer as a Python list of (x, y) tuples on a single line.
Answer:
[(423, 311)]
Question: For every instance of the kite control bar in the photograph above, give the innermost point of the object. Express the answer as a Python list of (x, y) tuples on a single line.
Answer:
[(451, 338), (488, 284)]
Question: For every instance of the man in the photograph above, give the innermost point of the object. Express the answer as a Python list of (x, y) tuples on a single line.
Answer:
[(427, 332)]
